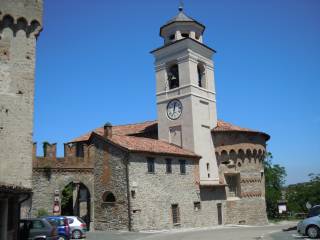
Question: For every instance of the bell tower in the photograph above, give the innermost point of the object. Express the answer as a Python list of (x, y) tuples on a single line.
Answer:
[(185, 90)]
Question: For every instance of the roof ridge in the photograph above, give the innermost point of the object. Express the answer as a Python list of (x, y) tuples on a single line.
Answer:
[(131, 124)]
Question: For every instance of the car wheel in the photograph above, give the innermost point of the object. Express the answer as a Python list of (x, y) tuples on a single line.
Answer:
[(76, 234), (313, 231)]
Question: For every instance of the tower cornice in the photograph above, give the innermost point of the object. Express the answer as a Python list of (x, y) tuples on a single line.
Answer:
[(180, 41)]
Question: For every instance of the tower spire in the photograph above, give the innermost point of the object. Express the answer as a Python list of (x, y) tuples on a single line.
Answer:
[(181, 5)]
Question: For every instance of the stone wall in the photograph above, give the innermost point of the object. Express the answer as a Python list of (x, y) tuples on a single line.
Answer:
[(241, 154), (20, 22), (110, 177), (155, 193), (250, 211), (44, 186)]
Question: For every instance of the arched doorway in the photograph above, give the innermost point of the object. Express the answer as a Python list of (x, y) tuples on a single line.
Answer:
[(75, 201)]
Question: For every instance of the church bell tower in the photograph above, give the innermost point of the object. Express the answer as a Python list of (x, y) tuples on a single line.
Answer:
[(185, 90)]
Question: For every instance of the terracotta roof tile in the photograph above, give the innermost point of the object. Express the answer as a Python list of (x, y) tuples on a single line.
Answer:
[(127, 129), (140, 144), (223, 126), (121, 136)]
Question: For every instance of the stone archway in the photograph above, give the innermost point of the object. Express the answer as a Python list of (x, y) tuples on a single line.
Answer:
[(75, 201)]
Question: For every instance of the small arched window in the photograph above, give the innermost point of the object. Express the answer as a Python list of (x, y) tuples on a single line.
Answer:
[(108, 197), (201, 76), (172, 37), (7, 21), (185, 35), (173, 76)]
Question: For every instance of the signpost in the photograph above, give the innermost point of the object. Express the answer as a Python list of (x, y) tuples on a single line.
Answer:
[(56, 203)]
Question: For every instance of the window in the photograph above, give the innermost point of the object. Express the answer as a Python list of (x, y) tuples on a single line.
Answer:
[(314, 211), (108, 197), (208, 167), (37, 224), (201, 75), (182, 166), (150, 165), (185, 35), (70, 220), (232, 181), (175, 213), (196, 206), (168, 165), (173, 76), (133, 193), (79, 149)]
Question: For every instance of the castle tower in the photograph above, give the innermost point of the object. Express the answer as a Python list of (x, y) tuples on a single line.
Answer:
[(20, 24), (185, 88)]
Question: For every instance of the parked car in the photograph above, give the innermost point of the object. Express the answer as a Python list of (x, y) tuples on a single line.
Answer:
[(78, 227), (62, 225), (311, 225), (314, 211), (37, 229)]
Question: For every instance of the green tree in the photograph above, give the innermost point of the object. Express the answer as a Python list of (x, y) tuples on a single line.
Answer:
[(67, 200), (274, 179), (42, 212), (299, 194)]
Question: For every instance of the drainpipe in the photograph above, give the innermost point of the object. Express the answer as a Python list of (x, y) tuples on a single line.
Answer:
[(126, 162)]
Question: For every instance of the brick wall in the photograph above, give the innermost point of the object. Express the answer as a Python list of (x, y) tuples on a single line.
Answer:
[(110, 176)]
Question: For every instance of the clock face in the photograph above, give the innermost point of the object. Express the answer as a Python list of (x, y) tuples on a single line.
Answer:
[(174, 109)]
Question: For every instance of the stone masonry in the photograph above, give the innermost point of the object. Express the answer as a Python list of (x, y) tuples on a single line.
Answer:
[(110, 175), (156, 192), (20, 23)]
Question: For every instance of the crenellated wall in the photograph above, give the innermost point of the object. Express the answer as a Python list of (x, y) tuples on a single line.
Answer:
[(71, 160), (52, 173)]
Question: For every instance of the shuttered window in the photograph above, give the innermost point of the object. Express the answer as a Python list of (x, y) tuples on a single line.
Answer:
[(168, 165), (150, 165), (182, 166)]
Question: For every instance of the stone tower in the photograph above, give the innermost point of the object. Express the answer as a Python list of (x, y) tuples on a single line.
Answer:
[(185, 88), (20, 24)]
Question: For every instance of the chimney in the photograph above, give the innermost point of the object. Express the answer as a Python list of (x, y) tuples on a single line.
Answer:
[(107, 130)]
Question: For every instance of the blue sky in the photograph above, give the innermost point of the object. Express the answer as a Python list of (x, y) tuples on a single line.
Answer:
[(94, 66)]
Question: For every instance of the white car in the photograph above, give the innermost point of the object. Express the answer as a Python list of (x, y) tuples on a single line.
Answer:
[(78, 227)]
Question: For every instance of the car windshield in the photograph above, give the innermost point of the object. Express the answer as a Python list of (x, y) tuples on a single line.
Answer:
[(315, 211), (56, 222)]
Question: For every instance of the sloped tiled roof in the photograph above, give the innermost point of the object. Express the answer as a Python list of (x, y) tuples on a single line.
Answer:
[(127, 129), (223, 126), (149, 145), (122, 136)]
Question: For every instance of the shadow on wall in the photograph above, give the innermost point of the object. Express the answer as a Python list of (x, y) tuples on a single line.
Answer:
[(209, 194)]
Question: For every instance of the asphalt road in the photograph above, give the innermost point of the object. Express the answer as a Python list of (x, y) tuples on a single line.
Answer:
[(271, 232), (291, 235)]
